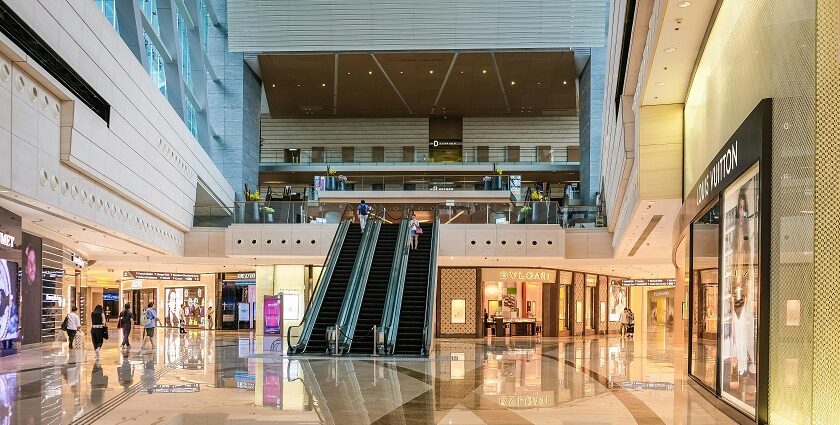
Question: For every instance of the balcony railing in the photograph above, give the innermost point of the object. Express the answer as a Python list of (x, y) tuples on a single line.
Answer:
[(417, 183), (419, 156), (261, 212)]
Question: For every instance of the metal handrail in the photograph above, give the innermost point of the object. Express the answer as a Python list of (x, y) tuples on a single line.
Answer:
[(396, 286), (308, 322), (351, 304), (395, 155), (428, 328)]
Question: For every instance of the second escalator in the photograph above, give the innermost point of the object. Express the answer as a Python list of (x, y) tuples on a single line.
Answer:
[(376, 288)]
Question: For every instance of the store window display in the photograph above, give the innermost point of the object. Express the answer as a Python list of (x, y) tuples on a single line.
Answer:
[(186, 303)]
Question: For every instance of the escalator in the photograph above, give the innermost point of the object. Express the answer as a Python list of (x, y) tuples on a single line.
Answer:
[(327, 314), (373, 301), (412, 315)]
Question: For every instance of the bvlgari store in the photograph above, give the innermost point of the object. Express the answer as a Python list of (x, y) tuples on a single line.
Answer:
[(726, 219)]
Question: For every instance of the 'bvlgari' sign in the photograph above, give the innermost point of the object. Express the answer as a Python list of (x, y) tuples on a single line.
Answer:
[(519, 275)]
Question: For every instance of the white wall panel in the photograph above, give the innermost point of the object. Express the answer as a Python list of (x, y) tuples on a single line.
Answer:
[(353, 25), (500, 132)]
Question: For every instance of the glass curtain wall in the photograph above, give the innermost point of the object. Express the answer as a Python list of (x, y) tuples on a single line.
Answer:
[(109, 9)]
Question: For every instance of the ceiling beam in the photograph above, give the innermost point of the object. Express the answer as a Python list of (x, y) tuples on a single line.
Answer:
[(385, 74), (501, 84), (335, 85), (443, 84)]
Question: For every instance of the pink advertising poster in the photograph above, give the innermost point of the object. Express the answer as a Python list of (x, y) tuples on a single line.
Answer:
[(273, 314)]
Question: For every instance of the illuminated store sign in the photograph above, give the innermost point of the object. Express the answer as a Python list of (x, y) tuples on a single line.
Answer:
[(647, 282), (183, 277), (519, 275), (242, 276), (7, 240), (543, 399), (78, 261), (722, 167)]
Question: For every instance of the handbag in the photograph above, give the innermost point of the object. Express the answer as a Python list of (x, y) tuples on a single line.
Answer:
[(104, 328), (418, 230), (64, 324)]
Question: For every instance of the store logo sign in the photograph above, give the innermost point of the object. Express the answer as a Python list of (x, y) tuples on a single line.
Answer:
[(243, 276), (722, 168), (7, 240), (78, 261)]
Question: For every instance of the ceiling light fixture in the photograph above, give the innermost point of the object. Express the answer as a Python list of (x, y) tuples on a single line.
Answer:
[(298, 85), (371, 72), (684, 4), (483, 71), (323, 84), (660, 84), (513, 83), (539, 83), (431, 71), (348, 73), (274, 85), (564, 82), (671, 50)]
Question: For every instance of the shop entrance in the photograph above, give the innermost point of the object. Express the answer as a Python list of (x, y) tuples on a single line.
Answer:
[(139, 299), (516, 302), (660, 310), (238, 303)]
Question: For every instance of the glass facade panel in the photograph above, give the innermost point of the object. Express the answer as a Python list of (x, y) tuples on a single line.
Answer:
[(183, 40), (108, 9), (705, 236), (156, 70), (204, 25), (739, 292), (150, 9), (189, 118)]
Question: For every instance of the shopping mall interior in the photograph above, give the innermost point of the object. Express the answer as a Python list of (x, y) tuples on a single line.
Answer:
[(439, 212)]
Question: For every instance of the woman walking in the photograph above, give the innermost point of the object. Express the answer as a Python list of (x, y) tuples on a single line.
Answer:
[(414, 230), (125, 321), (98, 331)]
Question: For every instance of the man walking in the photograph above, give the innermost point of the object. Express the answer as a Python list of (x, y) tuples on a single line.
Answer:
[(363, 209), (624, 320), (149, 320)]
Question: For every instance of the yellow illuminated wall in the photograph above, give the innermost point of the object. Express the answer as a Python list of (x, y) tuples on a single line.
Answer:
[(766, 49)]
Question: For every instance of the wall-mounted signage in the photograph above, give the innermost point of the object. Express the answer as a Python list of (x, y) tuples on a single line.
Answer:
[(136, 284), (647, 282), (273, 314), (252, 275), (445, 142), (78, 261), (184, 277), (241, 278), (7, 240), (10, 236), (519, 275), (110, 297)]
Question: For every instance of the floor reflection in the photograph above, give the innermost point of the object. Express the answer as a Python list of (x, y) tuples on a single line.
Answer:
[(203, 377)]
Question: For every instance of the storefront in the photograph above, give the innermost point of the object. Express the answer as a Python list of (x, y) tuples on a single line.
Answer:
[(726, 217), (10, 245), (238, 303), (176, 296), (475, 302)]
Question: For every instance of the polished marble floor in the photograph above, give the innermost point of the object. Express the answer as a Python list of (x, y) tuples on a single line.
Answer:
[(224, 378)]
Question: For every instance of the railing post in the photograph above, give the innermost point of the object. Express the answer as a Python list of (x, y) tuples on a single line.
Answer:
[(375, 342), (337, 333)]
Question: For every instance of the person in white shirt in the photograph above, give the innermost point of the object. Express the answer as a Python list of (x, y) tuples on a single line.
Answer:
[(73, 325), (624, 320)]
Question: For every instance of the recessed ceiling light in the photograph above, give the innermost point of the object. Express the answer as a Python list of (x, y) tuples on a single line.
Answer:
[(298, 85), (371, 72), (671, 50), (323, 84), (274, 85), (513, 83), (431, 71), (564, 82), (462, 72), (660, 84), (539, 83), (348, 73), (684, 4), (401, 72), (483, 71)]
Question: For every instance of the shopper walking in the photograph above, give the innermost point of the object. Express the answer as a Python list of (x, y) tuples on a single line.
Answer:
[(98, 330), (414, 230), (631, 323), (73, 325), (623, 320), (149, 320), (362, 210), (125, 322), (211, 320)]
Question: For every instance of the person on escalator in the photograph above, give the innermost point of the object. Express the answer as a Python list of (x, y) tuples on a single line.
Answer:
[(363, 209), (414, 230)]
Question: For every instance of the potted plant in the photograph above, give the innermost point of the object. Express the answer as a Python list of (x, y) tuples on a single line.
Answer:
[(330, 184), (522, 217), (252, 210), (341, 180), (498, 183), (268, 213), (487, 182), (539, 208)]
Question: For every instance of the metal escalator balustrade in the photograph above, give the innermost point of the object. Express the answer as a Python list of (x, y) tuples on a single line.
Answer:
[(411, 331), (375, 289)]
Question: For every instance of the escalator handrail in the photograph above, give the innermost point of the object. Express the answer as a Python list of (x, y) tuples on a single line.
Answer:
[(396, 286), (308, 322), (428, 323), (352, 302)]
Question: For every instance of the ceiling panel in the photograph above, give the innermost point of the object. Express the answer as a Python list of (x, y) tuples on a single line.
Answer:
[(409, 83)]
